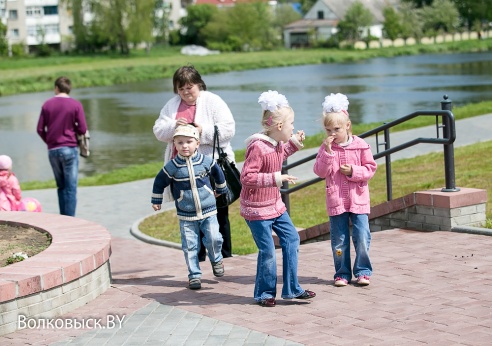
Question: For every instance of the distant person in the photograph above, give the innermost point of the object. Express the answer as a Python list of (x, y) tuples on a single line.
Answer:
[(261, 204), (194, 104), (10, 191), (346, 163), (188, 175), (62, 118)]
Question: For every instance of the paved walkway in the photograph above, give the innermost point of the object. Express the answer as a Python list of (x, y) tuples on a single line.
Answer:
[(427, 288)]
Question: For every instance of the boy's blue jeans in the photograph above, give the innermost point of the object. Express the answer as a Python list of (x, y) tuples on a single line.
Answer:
[(190, 242), (65, 164), (266, 270), (340, 244)]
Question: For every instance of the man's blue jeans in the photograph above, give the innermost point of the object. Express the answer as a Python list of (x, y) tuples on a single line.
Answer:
[(266, 270), (190, 242), (65, 164), (340, 244)]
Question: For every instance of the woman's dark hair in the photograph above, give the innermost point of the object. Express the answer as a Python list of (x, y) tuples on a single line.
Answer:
[(187, 75), (63, 84)]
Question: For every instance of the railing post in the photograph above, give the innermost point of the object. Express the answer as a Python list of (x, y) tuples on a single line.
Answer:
[(285, 186), (389, 181), (447, 105)]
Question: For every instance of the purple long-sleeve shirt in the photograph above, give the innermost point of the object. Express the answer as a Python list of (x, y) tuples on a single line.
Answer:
[(61, 119)]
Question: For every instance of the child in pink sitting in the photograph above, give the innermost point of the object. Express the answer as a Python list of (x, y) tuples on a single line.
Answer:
[(10, 192)]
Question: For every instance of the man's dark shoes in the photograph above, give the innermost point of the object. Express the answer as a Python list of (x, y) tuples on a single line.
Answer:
[(269, 303), (307, 295)]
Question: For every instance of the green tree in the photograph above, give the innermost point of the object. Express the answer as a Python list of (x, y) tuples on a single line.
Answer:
[(470, 11), (197, 18), (216, 34), (141, 22), (284, 14), (115, 23), (440, 17), (419, 3), (244, 27), (473, 11), (306, 5), (392, 27), (4, 45), (411, 24), (356, 19)]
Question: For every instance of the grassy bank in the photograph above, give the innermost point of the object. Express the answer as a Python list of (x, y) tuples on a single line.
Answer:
[(473, 166), (37, 74)]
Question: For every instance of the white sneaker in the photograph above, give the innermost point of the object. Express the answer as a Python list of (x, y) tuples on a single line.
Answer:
[(340, 282), (363, 280)]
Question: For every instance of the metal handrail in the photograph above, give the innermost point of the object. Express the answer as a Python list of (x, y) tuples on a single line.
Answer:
[(449, 136)]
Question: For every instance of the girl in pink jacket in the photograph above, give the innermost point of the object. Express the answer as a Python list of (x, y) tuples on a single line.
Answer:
[(346, 163), (10, 192), (261, 204)]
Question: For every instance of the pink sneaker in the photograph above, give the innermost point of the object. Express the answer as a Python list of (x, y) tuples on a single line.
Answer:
[(340, 282), (363, 280)]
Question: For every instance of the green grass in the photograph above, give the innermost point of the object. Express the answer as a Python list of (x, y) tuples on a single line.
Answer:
[(473, 166)]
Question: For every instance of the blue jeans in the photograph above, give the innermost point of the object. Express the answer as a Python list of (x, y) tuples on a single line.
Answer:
[(190, 242), (340, 244), (65, 164), (266, 269)]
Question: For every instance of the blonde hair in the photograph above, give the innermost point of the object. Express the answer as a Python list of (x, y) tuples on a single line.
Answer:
[(271, 119), (332, 119)]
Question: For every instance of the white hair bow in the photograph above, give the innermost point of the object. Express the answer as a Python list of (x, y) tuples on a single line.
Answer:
[(272, 100), (335, 103)]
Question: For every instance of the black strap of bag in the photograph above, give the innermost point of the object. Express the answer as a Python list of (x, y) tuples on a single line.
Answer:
[(231, 173)]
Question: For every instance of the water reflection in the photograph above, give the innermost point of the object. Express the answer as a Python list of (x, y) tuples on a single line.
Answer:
[(121, 117)]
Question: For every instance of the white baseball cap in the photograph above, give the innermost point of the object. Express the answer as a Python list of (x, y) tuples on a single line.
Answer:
[(187, 131)]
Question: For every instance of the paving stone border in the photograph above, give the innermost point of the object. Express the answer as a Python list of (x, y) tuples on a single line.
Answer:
[(71, 272)]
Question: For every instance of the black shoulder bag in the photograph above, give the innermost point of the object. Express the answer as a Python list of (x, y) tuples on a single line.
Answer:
[(231, 173)]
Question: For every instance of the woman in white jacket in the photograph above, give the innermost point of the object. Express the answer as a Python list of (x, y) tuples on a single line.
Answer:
[(193, 104)]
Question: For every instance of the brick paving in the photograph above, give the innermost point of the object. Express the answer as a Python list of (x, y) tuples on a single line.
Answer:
[(427, 288)]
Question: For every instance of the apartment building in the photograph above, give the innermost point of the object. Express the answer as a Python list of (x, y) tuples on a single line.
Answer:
[(35, 22)]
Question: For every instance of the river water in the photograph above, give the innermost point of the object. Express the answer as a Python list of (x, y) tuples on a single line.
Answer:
[(120, 118)]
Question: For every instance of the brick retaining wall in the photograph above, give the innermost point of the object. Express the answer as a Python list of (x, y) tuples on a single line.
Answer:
[(431, 210), (71, 272)]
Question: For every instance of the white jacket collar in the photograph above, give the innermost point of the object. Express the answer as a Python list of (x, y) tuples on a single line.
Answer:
[(262, 137)]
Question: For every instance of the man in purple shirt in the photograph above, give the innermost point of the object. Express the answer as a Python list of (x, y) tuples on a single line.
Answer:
[(62, 118)]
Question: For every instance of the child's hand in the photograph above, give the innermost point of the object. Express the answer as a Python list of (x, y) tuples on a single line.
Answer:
[(216, 194), (328, 142), (346, 169), (156, 207), (288, 178), (300, 136)]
